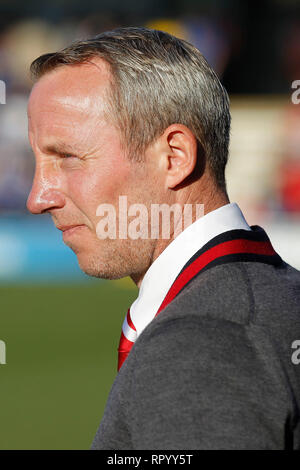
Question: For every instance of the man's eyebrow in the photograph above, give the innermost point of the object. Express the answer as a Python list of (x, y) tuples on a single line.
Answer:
[(59, 148)]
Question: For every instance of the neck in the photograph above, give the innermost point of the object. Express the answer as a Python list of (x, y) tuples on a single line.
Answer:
[(212, 203)]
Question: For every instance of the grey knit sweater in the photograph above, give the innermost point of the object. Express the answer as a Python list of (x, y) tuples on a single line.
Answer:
[(215, 370)]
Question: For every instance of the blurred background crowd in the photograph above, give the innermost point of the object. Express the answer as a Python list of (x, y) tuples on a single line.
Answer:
[(61, 341), (254, 47)]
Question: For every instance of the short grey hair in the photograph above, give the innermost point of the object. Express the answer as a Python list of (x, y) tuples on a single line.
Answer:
[(157, 80)]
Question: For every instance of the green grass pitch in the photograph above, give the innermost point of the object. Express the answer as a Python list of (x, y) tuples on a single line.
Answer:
[(61, 360)]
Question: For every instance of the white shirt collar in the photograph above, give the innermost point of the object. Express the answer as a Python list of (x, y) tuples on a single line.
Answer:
[(164, 270)]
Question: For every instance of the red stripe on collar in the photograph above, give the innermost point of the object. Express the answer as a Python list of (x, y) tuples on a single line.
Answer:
[(217, 253)]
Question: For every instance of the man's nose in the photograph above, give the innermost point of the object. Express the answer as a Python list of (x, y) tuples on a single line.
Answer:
[(44, 196)]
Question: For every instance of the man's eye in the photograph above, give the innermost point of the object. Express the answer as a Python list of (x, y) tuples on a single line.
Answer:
[(68, 155)]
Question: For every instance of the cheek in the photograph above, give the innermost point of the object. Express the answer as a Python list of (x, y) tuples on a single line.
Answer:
[(92, 186)]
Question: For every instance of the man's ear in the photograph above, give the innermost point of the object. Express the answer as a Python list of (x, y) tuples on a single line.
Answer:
[(179, 154)]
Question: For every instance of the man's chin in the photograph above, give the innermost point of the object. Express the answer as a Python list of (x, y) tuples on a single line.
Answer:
[(99, 269), (72, 246)]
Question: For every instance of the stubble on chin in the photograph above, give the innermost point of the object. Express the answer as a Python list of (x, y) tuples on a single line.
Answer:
[(116, 260)]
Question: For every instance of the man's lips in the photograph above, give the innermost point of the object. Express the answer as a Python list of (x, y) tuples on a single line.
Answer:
[(69, 229), (64, 228)]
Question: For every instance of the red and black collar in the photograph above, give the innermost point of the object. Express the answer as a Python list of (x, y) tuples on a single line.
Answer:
[(228, 247)]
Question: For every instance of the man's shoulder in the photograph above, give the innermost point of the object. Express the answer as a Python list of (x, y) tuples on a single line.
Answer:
[(199, 368), (243, 293), (240, 305)]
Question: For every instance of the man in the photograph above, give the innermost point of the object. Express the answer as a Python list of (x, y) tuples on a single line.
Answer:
[(205, 356)]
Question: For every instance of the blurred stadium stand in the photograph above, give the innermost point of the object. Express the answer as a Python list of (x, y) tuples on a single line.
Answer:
[(254, 49)]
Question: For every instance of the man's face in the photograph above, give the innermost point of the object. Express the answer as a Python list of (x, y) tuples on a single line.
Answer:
[(80, 164)]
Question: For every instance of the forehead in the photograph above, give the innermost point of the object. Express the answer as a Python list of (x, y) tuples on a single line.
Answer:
[(80, 87), (68, 96)]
